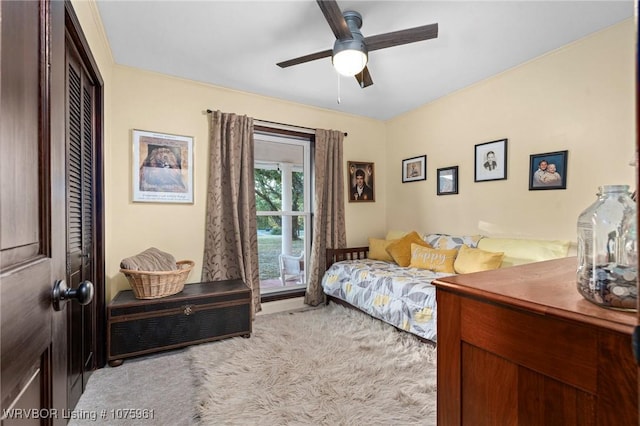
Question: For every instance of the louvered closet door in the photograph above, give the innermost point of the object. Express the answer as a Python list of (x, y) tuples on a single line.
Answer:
[(80, 220)]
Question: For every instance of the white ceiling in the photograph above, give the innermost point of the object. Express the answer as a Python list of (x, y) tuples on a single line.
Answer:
[(236, 44)]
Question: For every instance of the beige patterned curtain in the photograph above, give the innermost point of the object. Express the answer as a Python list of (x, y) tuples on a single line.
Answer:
[(231, 241), (328, 221)]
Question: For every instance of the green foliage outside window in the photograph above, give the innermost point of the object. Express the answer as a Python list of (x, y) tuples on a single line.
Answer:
[(268, 186)]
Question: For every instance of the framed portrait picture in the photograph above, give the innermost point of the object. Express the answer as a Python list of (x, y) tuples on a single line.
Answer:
[(491, 161), (548, 170), (361, 181), (414, 169), (162, 167), (447, 180)]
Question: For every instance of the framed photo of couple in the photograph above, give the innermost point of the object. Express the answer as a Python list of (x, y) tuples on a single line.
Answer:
[(548, 170)]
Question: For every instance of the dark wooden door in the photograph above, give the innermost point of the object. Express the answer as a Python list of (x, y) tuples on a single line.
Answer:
[(84, 211), (80, 219), (33, 342)]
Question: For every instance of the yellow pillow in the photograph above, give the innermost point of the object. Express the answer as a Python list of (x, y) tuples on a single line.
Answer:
[(437, 260), (476, 260), (520, 251), (395, 234), (400, 250), (378, 249)]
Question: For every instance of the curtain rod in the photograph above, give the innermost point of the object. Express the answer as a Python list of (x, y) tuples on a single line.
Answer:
[(282, 124)]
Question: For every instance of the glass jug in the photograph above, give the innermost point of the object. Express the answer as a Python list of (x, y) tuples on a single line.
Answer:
[(608, 251)]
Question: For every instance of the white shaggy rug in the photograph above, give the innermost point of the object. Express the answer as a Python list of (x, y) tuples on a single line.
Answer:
[(328, 366)]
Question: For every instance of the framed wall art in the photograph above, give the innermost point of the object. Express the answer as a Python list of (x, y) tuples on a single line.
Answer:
[(447, 180), (414, 169), (548, 170), (491, 161), (361, 181), (162, 167)]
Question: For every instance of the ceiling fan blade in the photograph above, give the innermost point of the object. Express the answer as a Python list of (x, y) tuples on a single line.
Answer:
[(364, 78), (306, 58), (397, 38), (333, 15)]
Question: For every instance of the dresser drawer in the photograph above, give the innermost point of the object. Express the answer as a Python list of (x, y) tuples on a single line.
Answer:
[(558, 349)]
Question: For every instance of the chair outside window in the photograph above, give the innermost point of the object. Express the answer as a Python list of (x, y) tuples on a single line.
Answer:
[(292, 269)]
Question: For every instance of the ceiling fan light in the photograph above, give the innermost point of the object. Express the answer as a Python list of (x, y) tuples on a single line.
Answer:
[(350, 56), (350, 62)]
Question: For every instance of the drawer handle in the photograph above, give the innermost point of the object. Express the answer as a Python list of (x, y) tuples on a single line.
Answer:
[(188, 309)]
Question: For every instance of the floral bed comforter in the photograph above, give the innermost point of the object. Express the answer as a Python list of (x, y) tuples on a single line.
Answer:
[(403, 297)]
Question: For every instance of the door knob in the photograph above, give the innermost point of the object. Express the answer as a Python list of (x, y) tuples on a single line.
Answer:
[(61, 293)]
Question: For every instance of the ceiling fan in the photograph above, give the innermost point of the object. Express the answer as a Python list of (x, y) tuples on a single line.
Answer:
[(351, 48)]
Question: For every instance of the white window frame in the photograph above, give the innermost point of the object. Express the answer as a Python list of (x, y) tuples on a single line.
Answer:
[(306, 212)]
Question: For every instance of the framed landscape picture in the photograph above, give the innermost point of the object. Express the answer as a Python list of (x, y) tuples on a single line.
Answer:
[(447, 181), (162, 167), (361, 182), (548, 170), (414, 169), (491, 161)]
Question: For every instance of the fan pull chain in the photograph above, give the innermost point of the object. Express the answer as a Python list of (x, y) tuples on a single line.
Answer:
[(338, 88)]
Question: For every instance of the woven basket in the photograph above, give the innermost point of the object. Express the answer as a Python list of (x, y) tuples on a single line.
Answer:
[(155, 284)]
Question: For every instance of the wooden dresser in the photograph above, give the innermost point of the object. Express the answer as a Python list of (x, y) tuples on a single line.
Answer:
[(521, 346)]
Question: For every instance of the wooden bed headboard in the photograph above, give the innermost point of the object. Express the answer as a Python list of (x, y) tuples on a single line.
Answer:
[(350, 253)]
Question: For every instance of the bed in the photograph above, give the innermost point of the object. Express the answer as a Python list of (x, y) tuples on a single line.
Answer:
[(400, 296), (403, 296)]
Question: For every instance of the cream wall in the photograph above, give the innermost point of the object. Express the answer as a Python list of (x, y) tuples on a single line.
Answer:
[(579, 98), (149, 101)]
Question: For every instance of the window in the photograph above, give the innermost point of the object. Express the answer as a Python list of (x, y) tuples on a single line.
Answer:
[(283, 205)]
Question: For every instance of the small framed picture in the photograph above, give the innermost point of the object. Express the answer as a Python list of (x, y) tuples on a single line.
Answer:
[(448, 180), (548, 170), (491, 161), (414, 169), (361, 177), (162, 167)]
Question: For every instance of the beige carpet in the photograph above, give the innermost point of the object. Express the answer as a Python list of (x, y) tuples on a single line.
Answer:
[(153, 390), (330, 366), (326, 366)]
